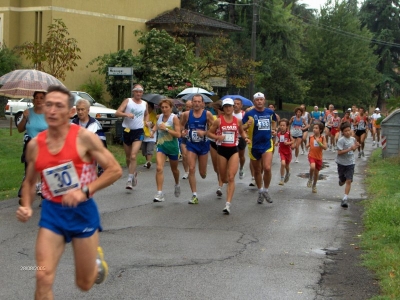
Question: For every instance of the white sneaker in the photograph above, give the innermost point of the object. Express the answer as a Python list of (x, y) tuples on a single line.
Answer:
[(177, 191), (373, 143), (253, 182), (185, 176), (296, 160), (302, 152), (219, 192), (159, 197), (241, 174), (129, 184), (227, 209)]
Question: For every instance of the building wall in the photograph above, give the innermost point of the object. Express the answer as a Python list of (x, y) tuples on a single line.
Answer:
[(93, 23)]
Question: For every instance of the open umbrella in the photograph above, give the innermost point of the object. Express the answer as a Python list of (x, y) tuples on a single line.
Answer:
[(23, 83), (245, 101), (153, 98), (178, 102), (190, 96), (195, 90)]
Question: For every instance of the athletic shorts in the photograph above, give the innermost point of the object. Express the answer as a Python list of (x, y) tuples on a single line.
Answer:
[(170, 156), (345, 172), (133, 135), (71, 222), (334, 130), (360, 132), (317, 162), (287, 157), (227, 152), (256, 154), (214, 145), (183, 140), (200, 148), (242, 143), (148, 148)]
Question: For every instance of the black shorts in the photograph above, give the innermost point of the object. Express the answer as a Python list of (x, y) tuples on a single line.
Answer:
[(213, 145), (242, 143), (345, 172), (227, 152), (133, 135), (360, 132)]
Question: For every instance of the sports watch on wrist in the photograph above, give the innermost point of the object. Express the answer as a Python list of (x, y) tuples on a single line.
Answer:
[(85, 190)]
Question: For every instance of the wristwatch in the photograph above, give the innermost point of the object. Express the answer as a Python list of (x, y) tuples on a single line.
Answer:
[(166, 129), (85, 190)]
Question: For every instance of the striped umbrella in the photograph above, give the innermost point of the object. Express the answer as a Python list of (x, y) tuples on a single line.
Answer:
[(23, 83)]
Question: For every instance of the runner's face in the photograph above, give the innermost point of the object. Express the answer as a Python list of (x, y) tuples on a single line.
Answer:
[(237, 106), (271, 107), (228, 109), (56, 110), (197, 103), (259, 103), (137, 95), (189, 105), (283, 127), (316, 129), (39, 100), (347, 132), (298, 113), (166, 109)]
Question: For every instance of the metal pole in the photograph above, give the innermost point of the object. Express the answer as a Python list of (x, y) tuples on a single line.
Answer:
[(253, 46)]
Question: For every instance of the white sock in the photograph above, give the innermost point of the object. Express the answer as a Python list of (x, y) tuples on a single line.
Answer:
[(261, 190), (228, 204), (345, 197), (130, 176), (159, 192), (195, 194)]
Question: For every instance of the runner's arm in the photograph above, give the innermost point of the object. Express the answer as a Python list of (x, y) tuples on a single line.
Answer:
[(121, 110)]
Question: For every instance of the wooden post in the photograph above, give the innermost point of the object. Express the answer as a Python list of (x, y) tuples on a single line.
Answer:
[(11, 121)]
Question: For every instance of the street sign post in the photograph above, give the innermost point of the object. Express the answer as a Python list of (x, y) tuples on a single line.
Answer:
[(118, 71)]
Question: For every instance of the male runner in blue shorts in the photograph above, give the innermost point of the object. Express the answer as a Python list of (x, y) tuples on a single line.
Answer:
[(198, 120), (65, 156), (261, 125)]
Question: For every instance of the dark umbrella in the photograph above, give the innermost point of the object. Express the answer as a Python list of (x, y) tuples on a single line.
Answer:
[(190, 96), (153, 98), (178, 102), (245, 101)]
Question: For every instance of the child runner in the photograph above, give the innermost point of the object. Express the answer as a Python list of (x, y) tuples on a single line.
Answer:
[(361, 125), (316, 143), (296, 124), (345, 159), (335, 129), (285, 141)]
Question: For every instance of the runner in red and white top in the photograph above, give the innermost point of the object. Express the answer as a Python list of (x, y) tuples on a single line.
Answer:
[(239, 113), (285, 142), (334, 123), (225, 131)]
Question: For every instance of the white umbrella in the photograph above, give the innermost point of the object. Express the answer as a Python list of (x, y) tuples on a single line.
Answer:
[(195, 90)]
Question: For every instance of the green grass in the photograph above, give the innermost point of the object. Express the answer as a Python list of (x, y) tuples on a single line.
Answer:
[(381, 239), (12, 170)]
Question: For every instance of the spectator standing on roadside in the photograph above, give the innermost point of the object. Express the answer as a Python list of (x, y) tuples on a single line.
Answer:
[(135, 114)]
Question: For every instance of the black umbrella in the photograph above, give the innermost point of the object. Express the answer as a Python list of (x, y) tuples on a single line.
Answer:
[(153, 98), (190, 96)]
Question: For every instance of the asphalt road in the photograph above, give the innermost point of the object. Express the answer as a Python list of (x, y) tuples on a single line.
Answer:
[(174, 250)]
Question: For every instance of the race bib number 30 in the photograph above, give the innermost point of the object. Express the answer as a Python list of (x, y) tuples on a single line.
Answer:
[(61, 178), (229, 137), (263, 124)]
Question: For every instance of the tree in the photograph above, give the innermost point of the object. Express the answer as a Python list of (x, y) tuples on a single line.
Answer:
[(340, 64), (382, 18), (57, 55), (9, 60)]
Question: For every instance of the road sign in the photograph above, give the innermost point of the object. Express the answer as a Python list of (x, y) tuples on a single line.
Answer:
[(120, 71)]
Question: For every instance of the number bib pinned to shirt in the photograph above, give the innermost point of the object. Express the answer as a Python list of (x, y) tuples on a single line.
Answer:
[(229, 137), (62, 178), (263, 124), (195, 137)]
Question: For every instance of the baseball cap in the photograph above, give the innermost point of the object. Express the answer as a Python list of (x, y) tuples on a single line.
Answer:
[(377, 109), (315, 106), (227, 101), (258, 95), (349, 109), (335, 112)]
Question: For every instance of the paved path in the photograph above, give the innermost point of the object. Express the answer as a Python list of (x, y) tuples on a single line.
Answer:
[(173, 250)]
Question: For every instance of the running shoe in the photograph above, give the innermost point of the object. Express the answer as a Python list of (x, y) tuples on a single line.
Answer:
[(241, 174), (344, 203), (309, 183), (267, 197), (102, 266), (148, 165), (180, 157), (287, 176), (227, 209), (219, 192), (296, 160), (194, 200), (335, 148), (159, 197), (145, 165), (38, 189), (129, 184), (253, 182), (260, 198), (362, 153), (177, 191), (302, 152), (134, 179), (373, 143), (185, 176), (314, 189), (359, 154), (281, 182)]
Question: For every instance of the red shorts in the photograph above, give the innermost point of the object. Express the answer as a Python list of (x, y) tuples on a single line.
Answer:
[(334, 130), (317, 162), (287, 157)]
